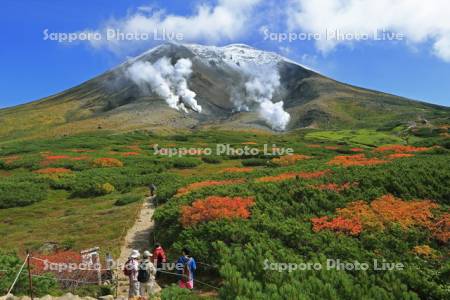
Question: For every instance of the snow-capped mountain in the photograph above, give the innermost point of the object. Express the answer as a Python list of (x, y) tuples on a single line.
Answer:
[(179, 86)]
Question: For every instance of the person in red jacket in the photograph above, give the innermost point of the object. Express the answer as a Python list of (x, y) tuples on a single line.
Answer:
[(159, 258)]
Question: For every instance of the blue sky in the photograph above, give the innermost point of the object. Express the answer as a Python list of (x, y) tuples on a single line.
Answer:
[(32, 68)]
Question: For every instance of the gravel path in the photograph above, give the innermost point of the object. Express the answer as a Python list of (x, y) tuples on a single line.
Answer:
[(138, 237)]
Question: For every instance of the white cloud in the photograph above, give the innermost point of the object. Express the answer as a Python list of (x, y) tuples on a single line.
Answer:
[(226, 21), (420, 21)]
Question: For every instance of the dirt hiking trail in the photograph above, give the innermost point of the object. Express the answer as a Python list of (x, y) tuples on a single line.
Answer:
[(138, 237)]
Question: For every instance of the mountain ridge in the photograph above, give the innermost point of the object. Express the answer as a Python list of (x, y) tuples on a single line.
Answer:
[(113, 101)]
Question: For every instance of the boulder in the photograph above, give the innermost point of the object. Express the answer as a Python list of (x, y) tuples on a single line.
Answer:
[(9, 297)]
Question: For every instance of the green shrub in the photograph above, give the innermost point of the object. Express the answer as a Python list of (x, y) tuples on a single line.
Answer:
[(173, 292), (253, 162), (179, 138), (9, 264), (211, 159), (127, 200), (186, 163), (13, 194)]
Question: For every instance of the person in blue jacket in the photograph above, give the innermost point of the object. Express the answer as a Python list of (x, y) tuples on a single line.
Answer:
[(186, 267)]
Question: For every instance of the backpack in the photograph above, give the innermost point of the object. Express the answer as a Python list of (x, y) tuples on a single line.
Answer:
[(127, 269), (143, 274)]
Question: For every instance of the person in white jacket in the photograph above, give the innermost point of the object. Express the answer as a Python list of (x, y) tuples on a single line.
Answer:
[(147, 272)]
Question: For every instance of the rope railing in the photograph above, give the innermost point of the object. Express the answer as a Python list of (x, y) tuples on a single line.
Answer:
[(72, 269), (18, 274), (195, 280), (65, 279)]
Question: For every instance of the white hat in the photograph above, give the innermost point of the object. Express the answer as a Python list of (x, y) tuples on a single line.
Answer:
[(147, 254), (135, 254)]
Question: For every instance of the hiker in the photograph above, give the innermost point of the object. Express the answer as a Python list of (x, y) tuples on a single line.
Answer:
[(152, 189), (146, 276), (186, 267), (159, 258), (131, 270)]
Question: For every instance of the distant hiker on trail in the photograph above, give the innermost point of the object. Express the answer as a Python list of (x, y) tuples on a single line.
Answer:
[(146, 276), (159, 258), (186, 267), (131, 270), (152, 189)]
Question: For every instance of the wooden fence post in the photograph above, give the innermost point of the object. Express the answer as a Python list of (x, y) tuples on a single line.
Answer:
[(30, 281)]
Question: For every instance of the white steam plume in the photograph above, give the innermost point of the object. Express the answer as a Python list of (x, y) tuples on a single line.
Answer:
[(167, 80), (261, 85)]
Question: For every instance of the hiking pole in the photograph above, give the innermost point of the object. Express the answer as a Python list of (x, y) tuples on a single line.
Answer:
[(30, 281)]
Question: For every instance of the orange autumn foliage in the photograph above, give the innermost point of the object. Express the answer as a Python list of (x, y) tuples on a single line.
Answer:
[(364, 213), (56, 157), (288, 160), (78, 158), (126, 154), (400, 148), (60, 257), (314, 146), (383, 211), (405, 213), (339, 224), (292, 175), (198, 185), (107, 162), (81, 150), (10, 159), (237, 170), (424, 250), (441, 228), (399, 155), (334, 187), (135, 148), (249, 143), (355, 160), (53, 171), (331, 147), (214, 208), (356, 149)]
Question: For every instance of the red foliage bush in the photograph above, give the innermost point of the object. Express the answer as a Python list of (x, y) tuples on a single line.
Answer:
[(355, 160), (77, 158), (331, 147), (65, 265), (288, 160), (441, 228), (356, 149), (56, 157), (400, 148), (334, 187), (10, 159), (107, 162), (126, 154), (202, 184), (348, 226), (314, 146), (237, 170), (214, 208), (381, 212), (292, 175), (399, 155), (53, 171)]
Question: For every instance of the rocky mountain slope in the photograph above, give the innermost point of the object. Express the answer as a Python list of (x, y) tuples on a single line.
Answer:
[(176, 86)]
